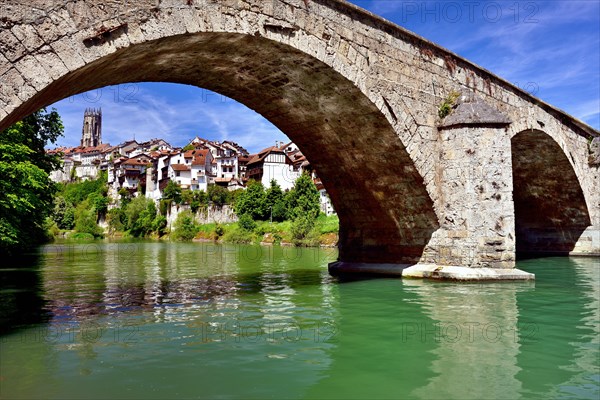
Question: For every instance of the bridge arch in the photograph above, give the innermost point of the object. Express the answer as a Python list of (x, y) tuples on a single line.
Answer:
[(551, 211), (380, 197), (339, 81)]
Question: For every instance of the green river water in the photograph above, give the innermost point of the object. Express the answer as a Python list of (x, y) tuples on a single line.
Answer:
[(150, 320)]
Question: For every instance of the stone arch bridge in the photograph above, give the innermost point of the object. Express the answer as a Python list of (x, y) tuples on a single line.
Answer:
[(453, 197)]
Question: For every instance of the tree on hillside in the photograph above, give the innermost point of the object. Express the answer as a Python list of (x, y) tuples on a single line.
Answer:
[(26, 189)]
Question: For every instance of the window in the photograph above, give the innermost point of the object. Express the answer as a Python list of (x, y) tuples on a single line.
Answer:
[(177, 173)]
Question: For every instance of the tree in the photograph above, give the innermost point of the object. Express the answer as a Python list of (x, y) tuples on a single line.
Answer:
[(172, 192), (199, 199), (85, 220), (116, 219), (26, 189), (143, 218), (303, 199), (218, 195), (63, 213), (252, 201), (275, 204), (188, 147)]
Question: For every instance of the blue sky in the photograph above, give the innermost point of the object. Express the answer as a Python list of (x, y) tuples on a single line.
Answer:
[(549, 48)]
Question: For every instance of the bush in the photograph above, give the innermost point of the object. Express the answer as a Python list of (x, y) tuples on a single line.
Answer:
[(81, 236), (238, 235), (304, 232), (184, 228), (219, 230), (159, 225), (164, 206), (247, 223), (52, 230)]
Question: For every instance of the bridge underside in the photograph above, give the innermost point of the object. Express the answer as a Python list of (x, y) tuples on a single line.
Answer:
[(551, 214)]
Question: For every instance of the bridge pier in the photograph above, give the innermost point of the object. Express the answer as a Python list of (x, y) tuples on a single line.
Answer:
[(476, 237)]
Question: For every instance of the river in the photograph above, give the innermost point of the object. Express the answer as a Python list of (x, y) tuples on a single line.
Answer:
[(199, 320)]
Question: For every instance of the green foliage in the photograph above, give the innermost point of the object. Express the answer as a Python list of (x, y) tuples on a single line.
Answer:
[(246, 223), (77, 192), (63, 213), (26, 189), (116, 219), (218, 195), (448, 104), (159, 225), (172, 192), (164, 206), (304, 232), (275, 203), (85, 220), (252, 201), (219, 230), (142, 218), (184, 228), (51, 228), (82, 236), (196, 199), (303, 199), (239, 235), (125, 196), (199, 200), (188, 147), (98, 202), (328, 224)]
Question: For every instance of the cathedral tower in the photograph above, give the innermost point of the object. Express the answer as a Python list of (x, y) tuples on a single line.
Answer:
[(91, 135)]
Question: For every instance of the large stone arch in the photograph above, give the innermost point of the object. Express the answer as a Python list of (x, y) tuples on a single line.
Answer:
[(379, 195), (339, 81), (551, 211)]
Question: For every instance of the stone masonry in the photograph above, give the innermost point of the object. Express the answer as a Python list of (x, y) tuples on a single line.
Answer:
[(411, 187)]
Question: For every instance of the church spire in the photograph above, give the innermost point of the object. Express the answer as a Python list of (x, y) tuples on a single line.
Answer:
[(91, 133)]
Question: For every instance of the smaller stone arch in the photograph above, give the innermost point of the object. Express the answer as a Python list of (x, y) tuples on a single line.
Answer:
[(551, 213)]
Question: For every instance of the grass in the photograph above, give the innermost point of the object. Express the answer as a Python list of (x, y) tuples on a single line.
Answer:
[(324, 232)]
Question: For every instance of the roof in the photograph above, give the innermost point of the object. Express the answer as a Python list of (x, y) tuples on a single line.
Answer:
[(136, 161), (222, 180), (263, 153), (180, 167), (200, 157), (282, 147), (472, 110)]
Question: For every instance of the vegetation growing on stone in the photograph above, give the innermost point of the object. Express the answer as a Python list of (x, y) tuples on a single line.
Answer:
[(446, 106)]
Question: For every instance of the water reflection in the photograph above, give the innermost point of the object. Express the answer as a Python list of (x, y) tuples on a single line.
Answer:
[(20, 296), (188, 320), (161, 321), (476, 331), (565, 360)]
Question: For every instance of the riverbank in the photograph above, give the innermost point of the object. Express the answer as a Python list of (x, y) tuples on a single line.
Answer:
[(323, 234)]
